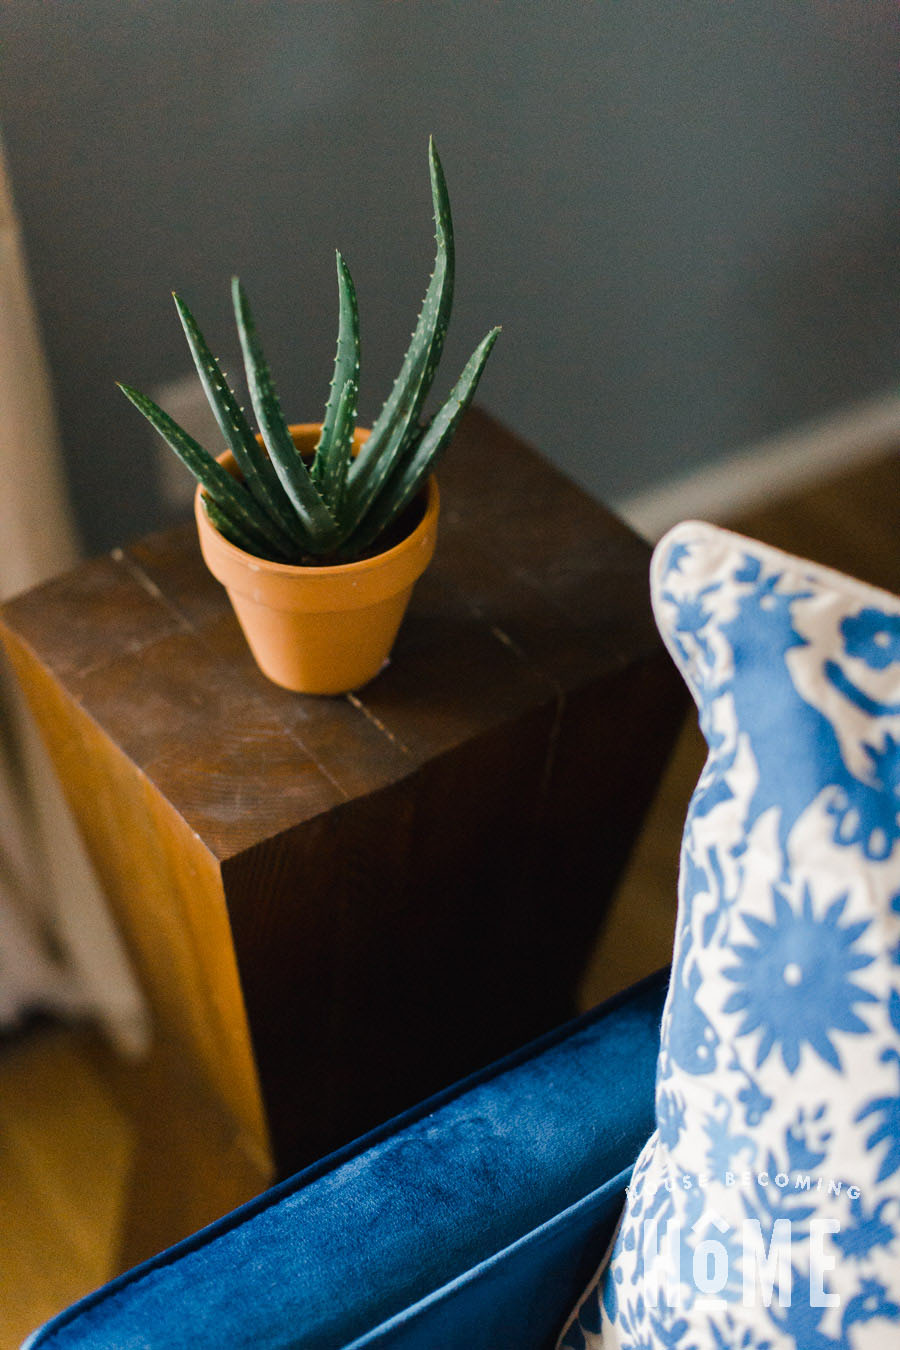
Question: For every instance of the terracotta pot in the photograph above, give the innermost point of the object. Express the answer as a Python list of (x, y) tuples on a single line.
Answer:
[(320, 630)]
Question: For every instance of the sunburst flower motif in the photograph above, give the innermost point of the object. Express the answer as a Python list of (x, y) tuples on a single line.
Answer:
[(794, 983)]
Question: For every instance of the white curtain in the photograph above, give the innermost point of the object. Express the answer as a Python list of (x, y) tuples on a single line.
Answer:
[(59, 950)]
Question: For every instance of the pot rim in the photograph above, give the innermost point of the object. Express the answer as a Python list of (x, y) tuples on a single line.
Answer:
[(255, 563)]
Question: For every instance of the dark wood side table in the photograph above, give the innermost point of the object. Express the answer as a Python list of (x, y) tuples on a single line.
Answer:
[(336, 906)]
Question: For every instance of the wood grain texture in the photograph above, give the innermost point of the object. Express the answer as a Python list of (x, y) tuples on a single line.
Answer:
[(166, 892), (338, 905)]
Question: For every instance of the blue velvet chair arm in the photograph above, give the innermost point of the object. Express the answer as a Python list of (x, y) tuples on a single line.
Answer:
[(471, 1221)]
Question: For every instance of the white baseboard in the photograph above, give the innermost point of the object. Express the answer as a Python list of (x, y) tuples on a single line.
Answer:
[(772, 469)]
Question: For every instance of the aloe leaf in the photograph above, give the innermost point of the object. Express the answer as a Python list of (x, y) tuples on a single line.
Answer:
[(399, 416), (240, 534), (334, 476), (253, 462), (293, 474), (346, 368), (410, 476), (217, 481)]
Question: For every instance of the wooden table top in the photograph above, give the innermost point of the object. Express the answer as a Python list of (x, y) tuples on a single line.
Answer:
[(535, 592)]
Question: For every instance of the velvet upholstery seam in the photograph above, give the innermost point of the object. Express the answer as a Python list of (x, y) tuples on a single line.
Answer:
[(207, 1236)]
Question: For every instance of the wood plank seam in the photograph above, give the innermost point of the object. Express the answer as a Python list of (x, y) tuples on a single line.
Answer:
[(146, 583), (356, 702), (550, 755)]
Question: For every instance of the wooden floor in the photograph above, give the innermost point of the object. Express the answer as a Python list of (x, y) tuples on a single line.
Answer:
[(66, 1145)]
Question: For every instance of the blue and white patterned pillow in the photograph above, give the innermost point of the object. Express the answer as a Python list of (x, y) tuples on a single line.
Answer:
[(764, 1211)]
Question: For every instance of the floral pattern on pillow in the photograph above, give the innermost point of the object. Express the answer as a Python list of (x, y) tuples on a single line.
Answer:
[(764, 1211)]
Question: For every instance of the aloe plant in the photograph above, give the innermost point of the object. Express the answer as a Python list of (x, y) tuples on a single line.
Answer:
[(336, 507)]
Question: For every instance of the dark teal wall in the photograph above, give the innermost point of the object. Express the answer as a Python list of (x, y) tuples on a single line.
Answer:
[(683, 213)]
